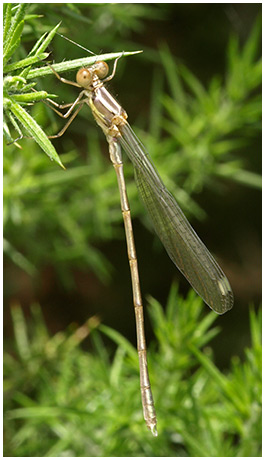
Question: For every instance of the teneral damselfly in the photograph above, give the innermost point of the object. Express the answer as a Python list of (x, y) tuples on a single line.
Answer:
[(183, 245)]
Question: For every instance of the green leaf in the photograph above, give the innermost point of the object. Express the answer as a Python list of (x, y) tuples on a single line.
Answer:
[(231, 171), (193, 83), (220, 379), (120, 340), (14, 43), (7, 13), (172, 73), (41, 45), (25, 62), (77, 63), (252, 45), (35, 131), (255, 328), (6, 132), (12, 34), (21, 333), (31, 97), (18, 258)]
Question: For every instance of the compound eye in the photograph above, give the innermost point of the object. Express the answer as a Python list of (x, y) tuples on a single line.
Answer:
[(84, 77), (101, 69)]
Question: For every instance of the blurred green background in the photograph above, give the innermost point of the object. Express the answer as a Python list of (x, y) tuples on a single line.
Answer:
[(193, 97)]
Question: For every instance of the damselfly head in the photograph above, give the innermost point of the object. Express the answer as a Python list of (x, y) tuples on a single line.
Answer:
[(84, 76)]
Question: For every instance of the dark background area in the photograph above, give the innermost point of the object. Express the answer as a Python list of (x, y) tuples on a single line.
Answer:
[(198, 35)]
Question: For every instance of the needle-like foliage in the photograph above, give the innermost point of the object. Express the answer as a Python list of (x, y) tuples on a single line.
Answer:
[(61, 400)]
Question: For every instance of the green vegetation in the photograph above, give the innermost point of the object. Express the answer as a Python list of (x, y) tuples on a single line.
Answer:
[(62, 397), (64, 401)]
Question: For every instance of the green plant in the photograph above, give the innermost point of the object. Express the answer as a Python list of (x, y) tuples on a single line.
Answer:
[(17, 90), (63, 401)]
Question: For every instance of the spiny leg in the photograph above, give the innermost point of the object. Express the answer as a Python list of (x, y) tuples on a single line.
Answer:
[(63, 80), (60, 133), (68, 122), (72, 105)]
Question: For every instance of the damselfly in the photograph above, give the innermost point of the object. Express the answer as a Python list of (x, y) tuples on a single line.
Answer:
[(180, 240)]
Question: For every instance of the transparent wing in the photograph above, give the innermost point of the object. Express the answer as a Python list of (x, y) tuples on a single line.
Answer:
[(183, 245)]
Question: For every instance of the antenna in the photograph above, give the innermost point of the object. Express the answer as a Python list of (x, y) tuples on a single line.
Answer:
[(77, 44)]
